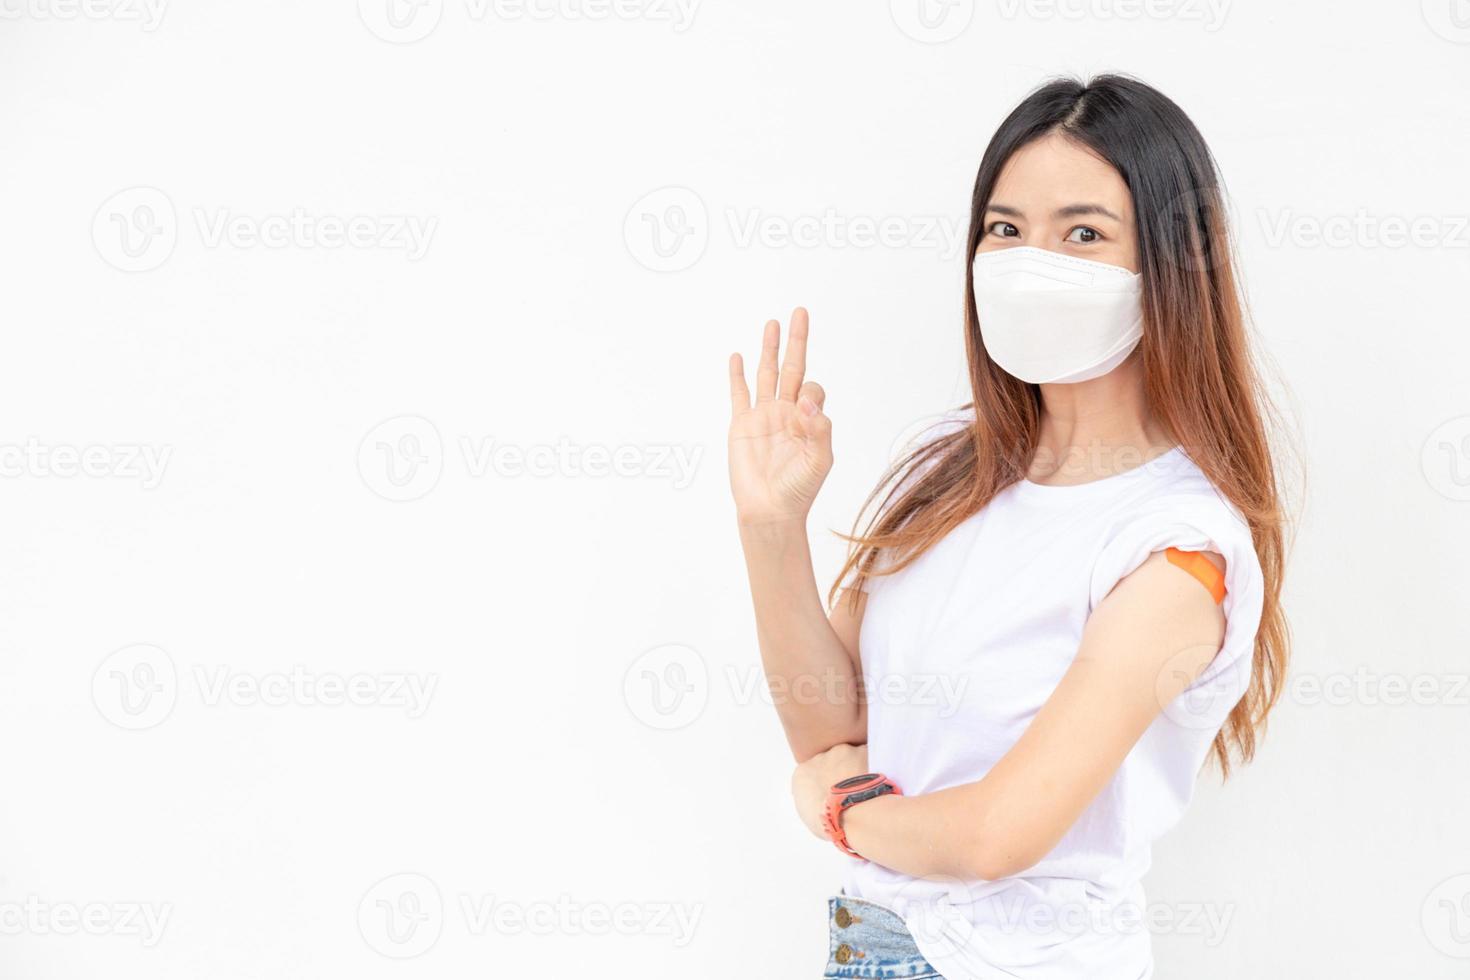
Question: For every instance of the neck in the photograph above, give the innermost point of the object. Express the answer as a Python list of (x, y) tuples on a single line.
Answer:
[(1095, 429)]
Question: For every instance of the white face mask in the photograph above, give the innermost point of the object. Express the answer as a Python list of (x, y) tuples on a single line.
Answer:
[(1050, 318)]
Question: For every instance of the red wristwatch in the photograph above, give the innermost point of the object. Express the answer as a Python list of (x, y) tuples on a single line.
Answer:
[(851, 792)]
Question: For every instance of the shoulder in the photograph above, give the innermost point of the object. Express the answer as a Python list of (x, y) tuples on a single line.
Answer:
[(1179, 508), (1183, 510)]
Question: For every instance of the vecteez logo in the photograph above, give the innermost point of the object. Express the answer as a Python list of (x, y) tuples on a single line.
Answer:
[(401, 21), (35, 459), (1445, 917), (147, 14), (932, 21), (667, 230), (138, 687), (402, 459), (1211, 14), (1450, 19), (404, 916), (1445, 459), (667, 688), (408, 21), (137, 230), (35, 916), (401, 916)]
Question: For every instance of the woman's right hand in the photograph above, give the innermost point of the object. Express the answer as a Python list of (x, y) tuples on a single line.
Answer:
[(780, 447)]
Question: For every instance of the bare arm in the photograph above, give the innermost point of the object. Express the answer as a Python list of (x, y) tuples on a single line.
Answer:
[(812, 672), (780, 451)]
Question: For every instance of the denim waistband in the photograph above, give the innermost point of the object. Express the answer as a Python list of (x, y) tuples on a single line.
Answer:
[(870, 942)]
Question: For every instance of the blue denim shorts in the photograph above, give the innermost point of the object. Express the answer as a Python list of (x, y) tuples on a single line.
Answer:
[(871, 942)]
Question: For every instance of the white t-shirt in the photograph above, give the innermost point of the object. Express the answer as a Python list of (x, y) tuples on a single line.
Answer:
[(961, 649)]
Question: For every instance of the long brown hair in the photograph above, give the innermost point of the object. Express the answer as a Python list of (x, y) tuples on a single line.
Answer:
[(1200, 378)]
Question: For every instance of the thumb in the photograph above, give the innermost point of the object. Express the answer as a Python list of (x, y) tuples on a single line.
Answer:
[(815, 425), (815, 392)]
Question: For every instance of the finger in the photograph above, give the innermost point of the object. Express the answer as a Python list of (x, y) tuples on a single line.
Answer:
[(739, 390), (793, 369), (765, 374), (813, 391), (817, 428)]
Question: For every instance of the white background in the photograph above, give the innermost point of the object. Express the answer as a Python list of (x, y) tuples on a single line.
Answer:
[(557, 304)]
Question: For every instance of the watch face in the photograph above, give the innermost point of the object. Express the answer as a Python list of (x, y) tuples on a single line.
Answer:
[(866, 777)]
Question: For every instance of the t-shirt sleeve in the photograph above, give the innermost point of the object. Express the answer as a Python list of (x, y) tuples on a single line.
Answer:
[(1197, 523)]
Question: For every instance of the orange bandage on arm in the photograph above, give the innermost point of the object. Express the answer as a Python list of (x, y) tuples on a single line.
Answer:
[(1201, 568)]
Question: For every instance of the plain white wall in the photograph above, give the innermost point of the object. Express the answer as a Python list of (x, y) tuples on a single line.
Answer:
[(252, 673)]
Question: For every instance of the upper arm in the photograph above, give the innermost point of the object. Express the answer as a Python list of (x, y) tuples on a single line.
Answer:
[(1142, 647)]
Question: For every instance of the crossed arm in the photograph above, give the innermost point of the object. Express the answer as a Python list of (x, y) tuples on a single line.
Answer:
[(1142, 646)]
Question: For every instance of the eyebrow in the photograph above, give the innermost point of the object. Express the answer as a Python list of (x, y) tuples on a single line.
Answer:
[(1070, 211)]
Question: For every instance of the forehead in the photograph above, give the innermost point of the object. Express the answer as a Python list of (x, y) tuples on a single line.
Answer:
[(1053, 172)]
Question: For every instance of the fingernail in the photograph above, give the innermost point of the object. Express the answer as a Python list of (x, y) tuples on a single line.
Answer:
[(807, 406)]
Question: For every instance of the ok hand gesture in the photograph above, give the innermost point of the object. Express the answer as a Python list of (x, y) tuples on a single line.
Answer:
[(780, 447)]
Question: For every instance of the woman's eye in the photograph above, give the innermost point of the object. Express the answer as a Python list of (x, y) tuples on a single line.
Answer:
[(1005, 230), (1083, 235)]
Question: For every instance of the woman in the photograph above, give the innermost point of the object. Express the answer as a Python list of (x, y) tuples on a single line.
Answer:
[(1067, 598)]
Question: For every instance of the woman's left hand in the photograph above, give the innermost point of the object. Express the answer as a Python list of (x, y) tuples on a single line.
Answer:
[(816, 776)]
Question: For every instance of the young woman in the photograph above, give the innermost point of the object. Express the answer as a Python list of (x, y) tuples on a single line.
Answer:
[(1066, 599)]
